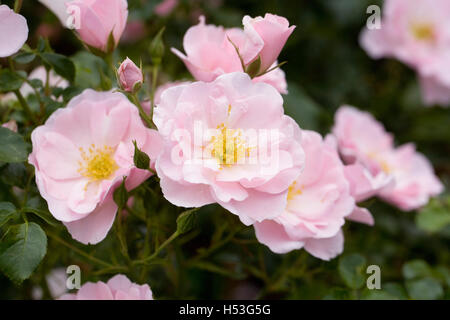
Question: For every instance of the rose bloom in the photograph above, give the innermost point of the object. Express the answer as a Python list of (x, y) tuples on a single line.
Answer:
[(209, 53), (361, 139), (117, 288), (417, 33), (165, 7), (210, 156), (129, 75), (318, 202), (13, 31), (81, 155), (97, 19)]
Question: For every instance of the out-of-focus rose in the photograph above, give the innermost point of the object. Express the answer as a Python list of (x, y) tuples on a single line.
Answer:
[(417, 33), (399, 175), (228, 142), (165, 7), (134, 31), (81, 155), (318, 202), (11, 125), (117, 288), (130, 75), (210, 53), (434, 91), (59, 8), (13, 31), (97, 19)]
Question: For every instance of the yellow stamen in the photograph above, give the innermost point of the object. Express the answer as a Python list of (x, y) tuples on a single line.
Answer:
[(423, 31), (98, 163), (229, 147), (293, 191)]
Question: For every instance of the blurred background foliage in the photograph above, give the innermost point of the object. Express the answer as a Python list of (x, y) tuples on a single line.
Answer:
[(220, 258)]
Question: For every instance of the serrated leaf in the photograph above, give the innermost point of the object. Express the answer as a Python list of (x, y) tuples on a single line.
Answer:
[(61, 64), (424, 289), (22, 249), (12, 147), (25, 57), (416, 269), (352, 270), (433, 217), (7, 211), (9, 81)]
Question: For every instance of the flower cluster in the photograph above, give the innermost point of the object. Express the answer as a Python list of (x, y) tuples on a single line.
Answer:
[(224, 137), (416, 33)]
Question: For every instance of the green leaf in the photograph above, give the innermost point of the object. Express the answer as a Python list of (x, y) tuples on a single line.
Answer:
[(61, 64), (434, 217), (43, 214), (338, 294), (7, 211), (396, 290), (351, 269), (186, 221), (377, 295), (14, 174), (25, 57), (22, 249), (12, 147), (416, 269), (9, 81), (424, 289)]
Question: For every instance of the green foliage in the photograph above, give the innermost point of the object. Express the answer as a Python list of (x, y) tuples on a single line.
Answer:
[(352, 270), (12, 148), (9, 81), (61, 64), (7, 211), (435, 216), (21, 250)]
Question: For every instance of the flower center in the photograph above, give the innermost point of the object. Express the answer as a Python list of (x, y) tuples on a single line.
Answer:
[(423, 31), (98, 163), (228, 146), (294, 191)]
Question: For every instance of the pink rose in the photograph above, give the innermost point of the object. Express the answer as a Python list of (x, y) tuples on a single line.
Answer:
[(97, 19), (400, 175), (271, 32), (165, 7), (209, 53), (275, 78), (117, 288), (130, 75), (11, 125), (417, 33), (434, 91), (318, 202), (228, 142), (81, 155), (13, 31)]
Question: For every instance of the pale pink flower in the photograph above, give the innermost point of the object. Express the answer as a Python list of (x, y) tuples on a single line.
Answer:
[(59, 8), (13, 31), (129, 75), (275, 78), (417, 33), (434, 91), (134, 31), (118, 287), (209, 53), (318, 202), (97, 19), (165, 7), (271, 32), (11, 125), (415, 181), (81, 155), (211, 153), (400, 175), (146, 105)]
